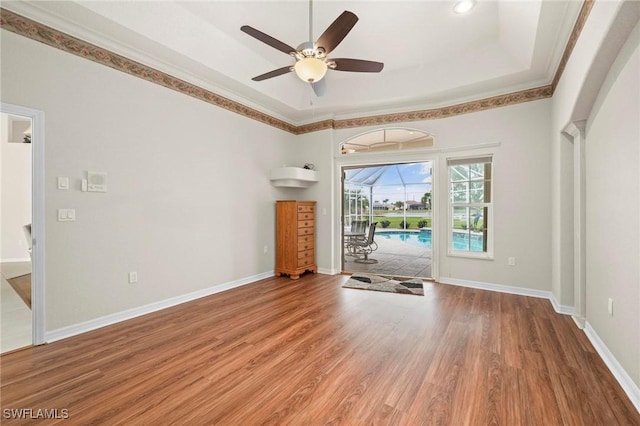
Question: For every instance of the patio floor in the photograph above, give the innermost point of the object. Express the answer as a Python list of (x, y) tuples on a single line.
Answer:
[(394, 258)]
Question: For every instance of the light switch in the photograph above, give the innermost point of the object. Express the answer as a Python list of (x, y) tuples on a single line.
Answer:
[(66, 215), (63, 182)]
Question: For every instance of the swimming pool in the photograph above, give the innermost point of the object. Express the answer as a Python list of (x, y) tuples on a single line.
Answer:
[(422, 239)]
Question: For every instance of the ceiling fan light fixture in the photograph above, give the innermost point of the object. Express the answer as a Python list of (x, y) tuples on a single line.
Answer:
[(463, 6), (312, 63), (310, 70)]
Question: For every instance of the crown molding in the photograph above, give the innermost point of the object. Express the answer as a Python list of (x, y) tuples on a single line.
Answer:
[(34, 30)]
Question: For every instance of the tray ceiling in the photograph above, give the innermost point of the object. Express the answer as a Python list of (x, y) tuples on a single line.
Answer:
[(432, 57)]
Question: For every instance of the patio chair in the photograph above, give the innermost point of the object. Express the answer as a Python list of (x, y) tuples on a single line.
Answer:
[(365, 247), (357, 232), (359, 226)]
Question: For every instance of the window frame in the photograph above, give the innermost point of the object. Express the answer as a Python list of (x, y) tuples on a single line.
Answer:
[(488, 228)]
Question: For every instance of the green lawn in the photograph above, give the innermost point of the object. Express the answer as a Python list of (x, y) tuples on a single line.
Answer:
[(413, 222)]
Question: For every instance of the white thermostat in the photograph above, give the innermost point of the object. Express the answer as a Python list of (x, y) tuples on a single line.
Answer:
[(96, 182)]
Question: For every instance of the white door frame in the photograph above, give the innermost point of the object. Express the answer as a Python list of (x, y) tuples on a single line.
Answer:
[(385, 158), (576, 132), (37, 216)]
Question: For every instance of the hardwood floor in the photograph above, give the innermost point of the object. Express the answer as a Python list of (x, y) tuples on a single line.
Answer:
[(22, 286), (309, 352)]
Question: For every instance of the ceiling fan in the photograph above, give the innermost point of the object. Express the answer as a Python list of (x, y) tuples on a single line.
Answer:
[(311, 58)]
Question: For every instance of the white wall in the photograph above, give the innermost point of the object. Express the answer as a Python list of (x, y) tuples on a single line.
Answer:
[(15, 196), (613, 209), (317, 148), (600, 85), (572, 101), (521, 189), (189, 204)]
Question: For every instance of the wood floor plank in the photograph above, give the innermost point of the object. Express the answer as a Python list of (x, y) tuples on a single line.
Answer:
[(539, 388), (22, 286), (514, 408), (308, 351)]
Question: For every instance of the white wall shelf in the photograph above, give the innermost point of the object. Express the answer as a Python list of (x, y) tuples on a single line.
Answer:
[(293, 177)]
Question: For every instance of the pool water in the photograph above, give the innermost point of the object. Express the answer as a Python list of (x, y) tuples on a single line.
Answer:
[(422, 239)]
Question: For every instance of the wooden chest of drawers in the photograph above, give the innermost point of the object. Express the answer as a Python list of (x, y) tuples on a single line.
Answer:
[(295, 238)]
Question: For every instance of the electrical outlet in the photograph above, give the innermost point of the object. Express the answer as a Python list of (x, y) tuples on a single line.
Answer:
[(265, 249), (511, 261), (133, 277), (610, 307)]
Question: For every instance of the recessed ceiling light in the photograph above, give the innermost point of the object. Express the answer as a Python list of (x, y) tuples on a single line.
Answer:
[(463, 6)]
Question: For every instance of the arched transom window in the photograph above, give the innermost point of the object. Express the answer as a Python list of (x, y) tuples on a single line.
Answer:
[(388, 140)]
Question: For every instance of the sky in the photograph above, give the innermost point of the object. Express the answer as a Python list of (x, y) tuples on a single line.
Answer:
[(387, 181)]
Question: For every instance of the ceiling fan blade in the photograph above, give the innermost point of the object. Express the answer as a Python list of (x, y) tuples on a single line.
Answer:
[(267, 39), (272, 74), (319, 87), (337, 31), (357, 65)]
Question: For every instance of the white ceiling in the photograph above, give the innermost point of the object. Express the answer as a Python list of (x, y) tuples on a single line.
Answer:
[(432, 57)]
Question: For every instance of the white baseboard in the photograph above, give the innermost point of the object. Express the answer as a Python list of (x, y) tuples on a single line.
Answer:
[(561, 309), (543, 294), (630, 388), (83, 327), (15, 259), (580, 322), (496, 287), (327, 271)]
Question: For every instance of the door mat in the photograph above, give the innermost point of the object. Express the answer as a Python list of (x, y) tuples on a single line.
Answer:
[(378, 283)]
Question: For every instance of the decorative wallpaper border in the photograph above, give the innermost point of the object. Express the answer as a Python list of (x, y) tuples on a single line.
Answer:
[(431, 114), (39, 32), (573, 39), (36, 31)]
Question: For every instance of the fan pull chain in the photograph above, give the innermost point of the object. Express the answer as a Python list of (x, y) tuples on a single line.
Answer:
[(311, 21)]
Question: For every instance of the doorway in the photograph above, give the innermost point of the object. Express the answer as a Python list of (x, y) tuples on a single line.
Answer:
[(387, 219), (15, 229), (22, 227)]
